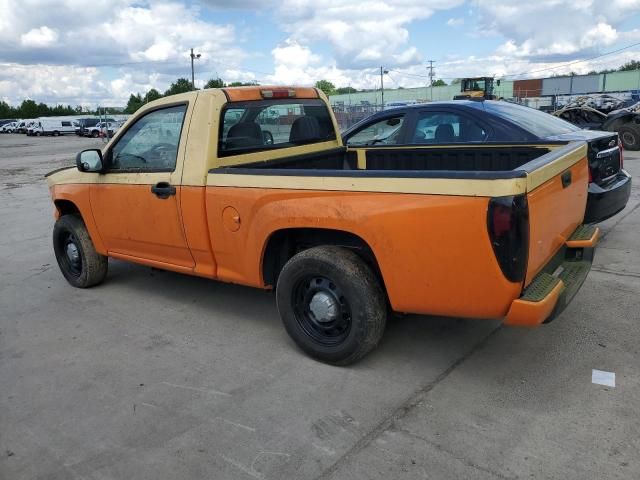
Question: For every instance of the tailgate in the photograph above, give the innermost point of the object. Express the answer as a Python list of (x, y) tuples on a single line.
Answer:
[(604, 158), (557, 197)]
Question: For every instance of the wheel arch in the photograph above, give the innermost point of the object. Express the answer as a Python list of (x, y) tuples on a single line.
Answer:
[(74, 200), (283, 244), (66, 207)]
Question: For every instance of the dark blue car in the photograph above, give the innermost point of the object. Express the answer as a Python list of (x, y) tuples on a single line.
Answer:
[(497, 122)]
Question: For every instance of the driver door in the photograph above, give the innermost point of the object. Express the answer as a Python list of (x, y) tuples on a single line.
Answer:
[(136, 202)]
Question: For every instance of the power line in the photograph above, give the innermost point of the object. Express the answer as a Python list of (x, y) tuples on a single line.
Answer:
[(573, 62), (531, 71)]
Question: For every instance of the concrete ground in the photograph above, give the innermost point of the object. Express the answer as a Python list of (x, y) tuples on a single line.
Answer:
[(154, 375)]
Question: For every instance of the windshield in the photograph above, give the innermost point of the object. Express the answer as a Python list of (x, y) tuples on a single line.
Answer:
[(539, 123)]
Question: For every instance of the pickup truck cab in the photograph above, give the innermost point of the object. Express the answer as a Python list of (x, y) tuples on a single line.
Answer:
[(213, 183)]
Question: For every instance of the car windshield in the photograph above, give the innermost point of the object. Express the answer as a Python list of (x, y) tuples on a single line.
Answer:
[(539, 123)]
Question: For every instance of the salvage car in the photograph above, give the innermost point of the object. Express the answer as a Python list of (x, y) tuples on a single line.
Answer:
[(490, 122), (608, 113), (196, 183)]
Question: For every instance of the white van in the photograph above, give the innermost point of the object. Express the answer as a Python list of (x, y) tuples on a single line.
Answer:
[(55, 127)]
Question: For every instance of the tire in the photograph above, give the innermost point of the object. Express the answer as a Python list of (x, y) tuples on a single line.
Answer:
[(77, 258), (55, 133), (346, 293), (95, 134), (630, 137)]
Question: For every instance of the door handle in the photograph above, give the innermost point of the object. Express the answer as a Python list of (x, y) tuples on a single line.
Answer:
[(163, 190), (566, 179)]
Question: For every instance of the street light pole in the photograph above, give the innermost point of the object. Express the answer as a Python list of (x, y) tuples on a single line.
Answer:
[(193, 78), (382, 72)]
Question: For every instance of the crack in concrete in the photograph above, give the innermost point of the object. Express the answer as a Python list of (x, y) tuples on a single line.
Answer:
[(462, 460), (402, 410)]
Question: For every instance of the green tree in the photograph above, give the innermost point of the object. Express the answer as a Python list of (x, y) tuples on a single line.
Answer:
[(134, 103), (439, 83), (6, 110), (152, 95), (326, 86), (243, 84), (28, 109), (632, 65), (214, 83), (344, 90), (456, 81), (181, 85)]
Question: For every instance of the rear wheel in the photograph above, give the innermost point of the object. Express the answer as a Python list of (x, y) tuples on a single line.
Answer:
[(630, 137), (56, 133), (331, 304), (77, 258), (95, 134)]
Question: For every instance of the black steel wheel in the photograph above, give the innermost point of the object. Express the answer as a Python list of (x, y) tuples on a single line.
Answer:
[(331, 304), (77, 257), (321, 310), (630, 137)]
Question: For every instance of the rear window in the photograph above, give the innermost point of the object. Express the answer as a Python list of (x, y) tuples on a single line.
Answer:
[(272, 124), (539, 123)]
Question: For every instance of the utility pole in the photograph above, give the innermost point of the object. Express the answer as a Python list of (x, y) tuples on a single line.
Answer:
[(431, 75), (193, 78), (382, 72)]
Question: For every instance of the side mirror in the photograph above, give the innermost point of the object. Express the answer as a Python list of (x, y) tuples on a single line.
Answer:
[(498, 82), (89, 160)]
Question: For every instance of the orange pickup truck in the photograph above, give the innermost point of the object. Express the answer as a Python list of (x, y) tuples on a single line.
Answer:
[(254, 186)]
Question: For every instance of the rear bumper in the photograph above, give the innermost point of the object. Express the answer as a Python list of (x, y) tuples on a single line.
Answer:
[(553, 289), (605, 202)]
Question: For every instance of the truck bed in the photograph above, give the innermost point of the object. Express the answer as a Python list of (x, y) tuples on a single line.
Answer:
[(453, 158)]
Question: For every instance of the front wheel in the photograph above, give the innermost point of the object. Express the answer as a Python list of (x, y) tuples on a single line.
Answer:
[(630, 137), (331, 304), (77, 258)]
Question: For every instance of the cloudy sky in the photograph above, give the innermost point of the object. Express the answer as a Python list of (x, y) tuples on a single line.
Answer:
[(82, 52)]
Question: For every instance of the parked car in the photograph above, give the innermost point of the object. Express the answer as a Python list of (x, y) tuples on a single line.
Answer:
[(23, 126), (85, 123), (34, 129), (8, 127), (57, 127), (341, 234), (605, 112), (494, 122), (5, 121)]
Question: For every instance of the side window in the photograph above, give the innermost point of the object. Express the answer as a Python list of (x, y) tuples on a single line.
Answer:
[(382, 132), (151, 143), (66, 124), (442, 127)]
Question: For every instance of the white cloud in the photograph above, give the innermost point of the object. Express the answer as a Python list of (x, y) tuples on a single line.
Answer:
[(361, 34), (146, 43), (39, 37), (455, 22), (555, 29)]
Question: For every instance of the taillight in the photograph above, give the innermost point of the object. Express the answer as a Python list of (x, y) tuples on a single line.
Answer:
[(508, 225), (621, 153), (278, 93)]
